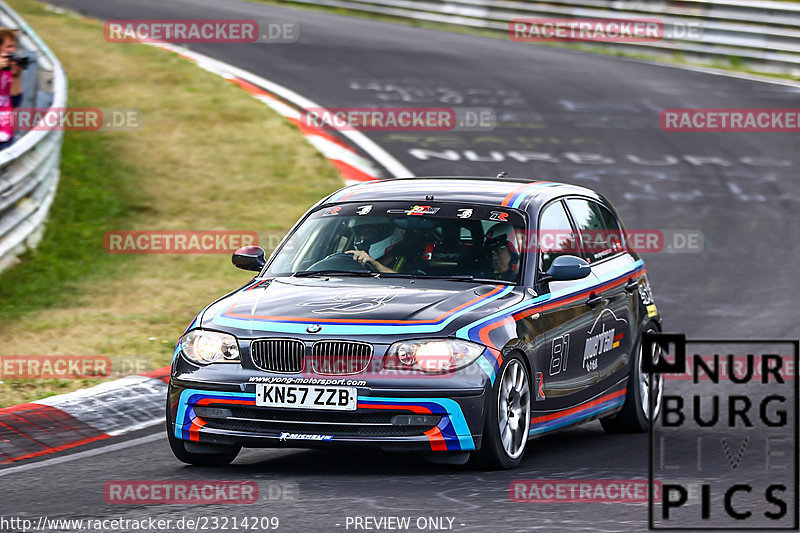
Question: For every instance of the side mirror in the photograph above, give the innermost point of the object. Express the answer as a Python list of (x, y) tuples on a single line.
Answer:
[(567, 268), (249, 258)]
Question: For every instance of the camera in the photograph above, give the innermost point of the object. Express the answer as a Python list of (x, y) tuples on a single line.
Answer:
[(22, 61)]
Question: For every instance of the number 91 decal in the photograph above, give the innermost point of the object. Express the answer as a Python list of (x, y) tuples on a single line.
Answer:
[(559, 355)]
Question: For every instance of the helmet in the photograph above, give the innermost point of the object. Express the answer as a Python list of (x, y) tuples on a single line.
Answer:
[(502, 235), (376, 238)]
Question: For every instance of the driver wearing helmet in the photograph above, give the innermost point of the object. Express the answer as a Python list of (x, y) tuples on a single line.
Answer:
[(501, 244), (372, 239)]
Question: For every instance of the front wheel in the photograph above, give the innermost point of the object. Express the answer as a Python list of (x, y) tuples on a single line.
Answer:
[(635, 414), (508, 421)]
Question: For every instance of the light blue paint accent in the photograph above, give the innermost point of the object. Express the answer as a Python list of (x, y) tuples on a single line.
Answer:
[(487, 367), (522, 195), (569, 420), (451, 407), (183, 404)]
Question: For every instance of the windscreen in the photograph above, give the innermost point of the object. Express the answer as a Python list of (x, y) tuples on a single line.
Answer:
[(431, 240)]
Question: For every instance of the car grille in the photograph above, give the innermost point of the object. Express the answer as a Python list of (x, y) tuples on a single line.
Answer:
[(256, 420), (340, 357), (278, 355)]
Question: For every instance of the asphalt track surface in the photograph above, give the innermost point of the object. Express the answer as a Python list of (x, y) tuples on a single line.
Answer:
[(565, 116)]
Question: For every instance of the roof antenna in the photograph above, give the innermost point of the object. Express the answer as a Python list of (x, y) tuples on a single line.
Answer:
[(503, 174)]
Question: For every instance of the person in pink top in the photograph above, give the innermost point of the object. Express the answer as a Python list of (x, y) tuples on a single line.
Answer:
[(10, 85)]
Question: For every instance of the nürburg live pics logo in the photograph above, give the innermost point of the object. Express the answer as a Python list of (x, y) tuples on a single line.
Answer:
[(724, 441)]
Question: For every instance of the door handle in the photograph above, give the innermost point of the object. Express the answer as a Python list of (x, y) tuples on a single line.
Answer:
[(632, 285), (594, 300)]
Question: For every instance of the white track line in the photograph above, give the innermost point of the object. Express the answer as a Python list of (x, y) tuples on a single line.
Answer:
[(713, 71), (392, 165), (84, 454)]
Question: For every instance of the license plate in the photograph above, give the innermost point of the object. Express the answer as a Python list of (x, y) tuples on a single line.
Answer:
[(306, 397)]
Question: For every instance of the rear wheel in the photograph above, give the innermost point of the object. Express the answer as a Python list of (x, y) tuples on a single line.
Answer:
[(635, 414), (508, 421), (204, 454)]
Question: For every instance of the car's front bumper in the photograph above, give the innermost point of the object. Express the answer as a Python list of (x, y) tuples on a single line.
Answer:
[(431, 415)]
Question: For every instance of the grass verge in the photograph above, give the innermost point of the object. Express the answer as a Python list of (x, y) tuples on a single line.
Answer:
[(207, 157)]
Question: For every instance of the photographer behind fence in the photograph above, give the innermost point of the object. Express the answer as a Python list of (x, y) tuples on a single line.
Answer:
[(11, 67)]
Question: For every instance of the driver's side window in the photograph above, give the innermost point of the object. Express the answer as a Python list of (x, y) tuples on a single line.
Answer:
[(555, 235)]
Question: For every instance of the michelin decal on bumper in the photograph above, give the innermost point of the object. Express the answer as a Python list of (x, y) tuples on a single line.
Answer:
[(303, 436)]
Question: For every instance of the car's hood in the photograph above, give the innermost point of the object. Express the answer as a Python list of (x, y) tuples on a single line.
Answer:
[(355, 306)]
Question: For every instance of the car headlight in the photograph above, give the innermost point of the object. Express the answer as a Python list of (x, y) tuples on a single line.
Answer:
[(205, 347), (432, 355)]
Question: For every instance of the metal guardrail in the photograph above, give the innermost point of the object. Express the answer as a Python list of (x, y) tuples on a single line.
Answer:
[(761, 35), (29, 169)]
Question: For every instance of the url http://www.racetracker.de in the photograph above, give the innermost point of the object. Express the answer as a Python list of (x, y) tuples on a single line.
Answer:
[(198, 523)]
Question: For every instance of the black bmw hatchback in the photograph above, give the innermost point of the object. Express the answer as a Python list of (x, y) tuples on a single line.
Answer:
[(454, 317)]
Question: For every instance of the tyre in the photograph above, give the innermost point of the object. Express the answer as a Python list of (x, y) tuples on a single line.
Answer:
[(635, 415), (211, 455), (508, 420)]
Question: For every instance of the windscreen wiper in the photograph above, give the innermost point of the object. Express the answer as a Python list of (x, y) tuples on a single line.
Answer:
[(446, 277), (454, 277), (309, 273)]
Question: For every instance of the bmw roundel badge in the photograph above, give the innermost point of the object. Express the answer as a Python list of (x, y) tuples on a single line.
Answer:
[(314, 328)]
